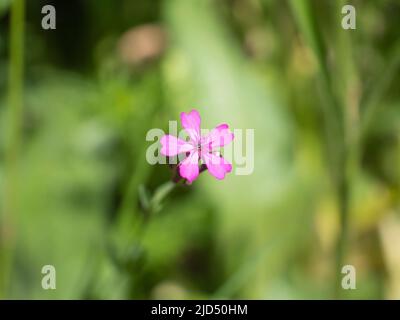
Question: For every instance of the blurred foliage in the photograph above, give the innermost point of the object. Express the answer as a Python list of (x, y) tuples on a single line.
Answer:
[(110, 72)]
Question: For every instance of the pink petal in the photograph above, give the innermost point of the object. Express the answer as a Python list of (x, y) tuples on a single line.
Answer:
[(189, 168), (219, 136), (216, 165), (171, 146), (191, 122)]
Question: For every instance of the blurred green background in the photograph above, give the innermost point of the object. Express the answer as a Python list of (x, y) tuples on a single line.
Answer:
[(76, 104)]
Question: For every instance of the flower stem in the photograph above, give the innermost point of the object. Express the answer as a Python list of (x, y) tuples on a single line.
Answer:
[(341, 129), (15, 105)]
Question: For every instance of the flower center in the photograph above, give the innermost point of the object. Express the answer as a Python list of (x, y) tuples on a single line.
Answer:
[(202, 148)]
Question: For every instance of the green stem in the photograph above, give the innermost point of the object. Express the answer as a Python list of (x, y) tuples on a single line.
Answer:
[(302, 11), (344, 210), (15, 107), (370, 104), (342, 138), (347, 91)]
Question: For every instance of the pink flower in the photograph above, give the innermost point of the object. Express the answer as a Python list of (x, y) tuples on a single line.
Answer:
[(198, 148)]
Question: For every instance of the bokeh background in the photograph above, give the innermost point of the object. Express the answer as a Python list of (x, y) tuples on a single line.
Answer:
[(76, 190)]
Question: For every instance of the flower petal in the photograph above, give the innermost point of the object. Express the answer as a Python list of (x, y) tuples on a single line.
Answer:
[(191, 123), (189, 168), (171, 146), (219, 137), (216, 165)]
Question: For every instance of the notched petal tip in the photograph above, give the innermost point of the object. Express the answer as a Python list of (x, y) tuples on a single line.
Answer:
[(189, 168), (222, 126), (194, 113), (220, 136), (191, 123), (217, 166)]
